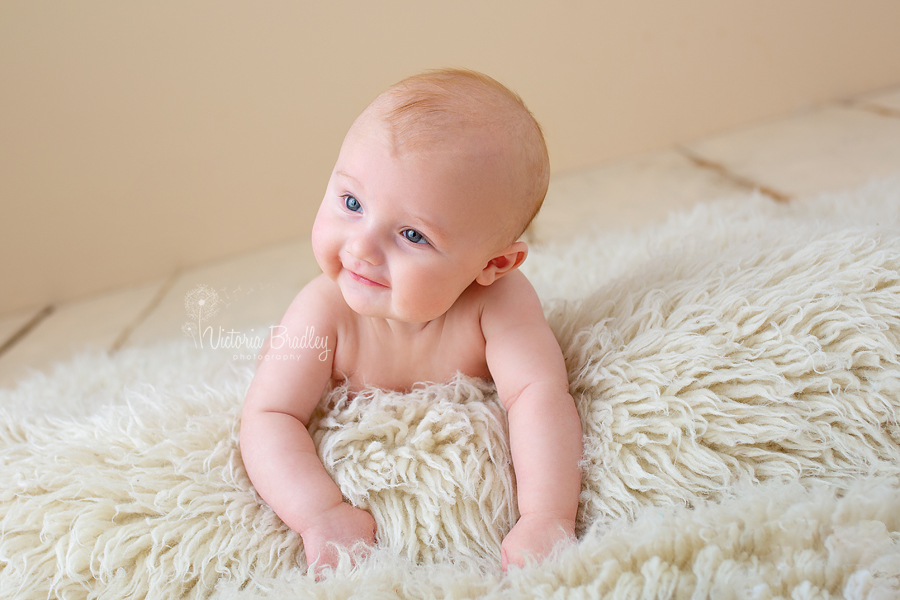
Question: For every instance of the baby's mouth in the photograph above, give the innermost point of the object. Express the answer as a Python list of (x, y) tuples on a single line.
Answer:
[(365, 280)]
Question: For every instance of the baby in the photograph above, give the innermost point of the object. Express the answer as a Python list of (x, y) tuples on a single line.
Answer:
[(417, 238)]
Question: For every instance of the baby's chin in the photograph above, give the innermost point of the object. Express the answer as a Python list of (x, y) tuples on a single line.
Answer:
[(377, 303)]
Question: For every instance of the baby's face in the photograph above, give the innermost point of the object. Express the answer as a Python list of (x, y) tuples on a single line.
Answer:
[(403, 235)]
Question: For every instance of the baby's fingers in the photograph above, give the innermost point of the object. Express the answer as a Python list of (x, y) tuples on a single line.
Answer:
[(334, 557), (534, 538), (344, 534)]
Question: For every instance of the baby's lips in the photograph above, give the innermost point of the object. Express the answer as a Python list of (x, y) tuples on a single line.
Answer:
[(365, 279)]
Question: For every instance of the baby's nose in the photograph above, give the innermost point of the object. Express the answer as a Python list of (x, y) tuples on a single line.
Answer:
[(363, 246)]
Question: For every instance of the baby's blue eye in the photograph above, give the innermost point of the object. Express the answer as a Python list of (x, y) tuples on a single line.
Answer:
[(352, 203), (414, 236)]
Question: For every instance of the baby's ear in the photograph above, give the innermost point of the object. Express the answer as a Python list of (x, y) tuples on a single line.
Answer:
[(503, 263)]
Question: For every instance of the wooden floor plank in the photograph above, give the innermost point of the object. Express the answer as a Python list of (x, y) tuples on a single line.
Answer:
[(70, 328), (626, 193), (827, 149)]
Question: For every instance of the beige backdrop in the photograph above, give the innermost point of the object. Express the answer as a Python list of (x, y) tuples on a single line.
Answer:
[(138, 137)]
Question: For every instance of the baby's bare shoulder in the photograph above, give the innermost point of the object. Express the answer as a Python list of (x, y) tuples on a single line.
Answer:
[(320, 300), (511, 294)]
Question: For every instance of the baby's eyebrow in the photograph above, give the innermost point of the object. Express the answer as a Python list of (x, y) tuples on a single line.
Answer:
[(348, 176), (431, 228)]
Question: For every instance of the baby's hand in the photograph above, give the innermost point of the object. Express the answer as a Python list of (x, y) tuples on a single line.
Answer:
[(344, 526), (534, 535)]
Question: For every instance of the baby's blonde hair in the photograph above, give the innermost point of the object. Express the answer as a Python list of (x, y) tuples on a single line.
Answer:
[(438, 106)]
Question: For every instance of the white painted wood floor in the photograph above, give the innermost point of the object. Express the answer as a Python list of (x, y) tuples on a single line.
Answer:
[(836, 146)]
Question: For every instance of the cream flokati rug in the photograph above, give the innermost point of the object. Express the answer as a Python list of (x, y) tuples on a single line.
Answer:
[(737, 371)]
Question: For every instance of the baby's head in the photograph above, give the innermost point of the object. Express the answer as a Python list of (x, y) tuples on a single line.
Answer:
[(466, 112), (450, 160)]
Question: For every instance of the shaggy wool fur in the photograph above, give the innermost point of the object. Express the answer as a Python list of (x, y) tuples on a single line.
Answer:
[(736, 369), (446, 488)]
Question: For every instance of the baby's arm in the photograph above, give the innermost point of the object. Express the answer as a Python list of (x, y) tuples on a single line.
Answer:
[(544, 429), (276, 447)]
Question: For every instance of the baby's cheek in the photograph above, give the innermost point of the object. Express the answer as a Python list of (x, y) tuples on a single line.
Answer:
[(422, 293), (324, 248)]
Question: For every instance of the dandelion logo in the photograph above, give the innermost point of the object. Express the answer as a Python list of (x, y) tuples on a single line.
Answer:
[(201, 303)]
